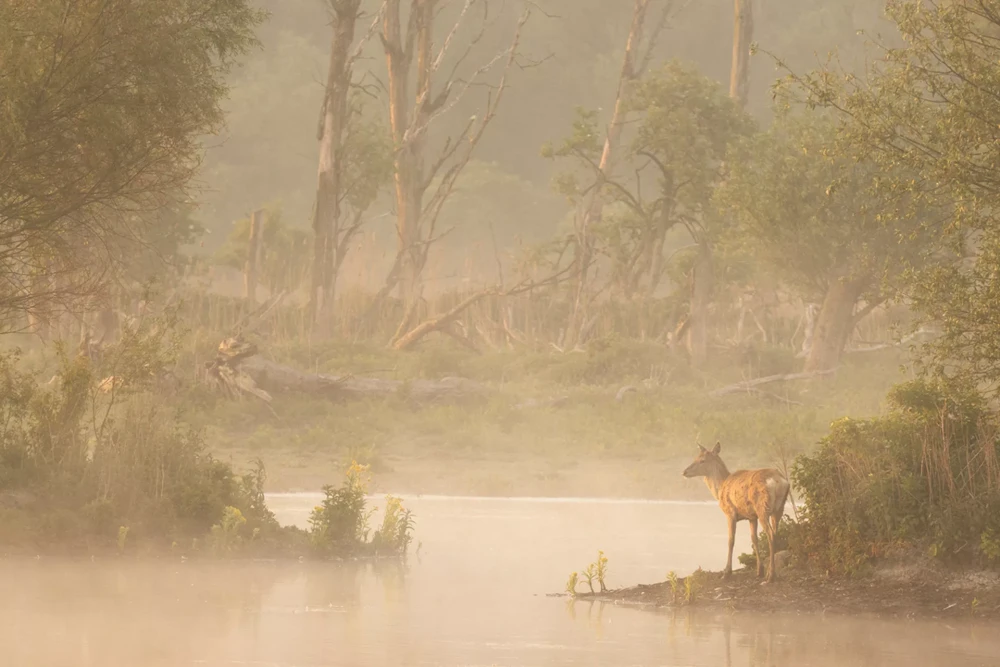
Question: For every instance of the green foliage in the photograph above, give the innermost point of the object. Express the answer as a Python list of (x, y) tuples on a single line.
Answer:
[(692, 585), (749, 560), (601, 570), (598, 570), (396, 532), (225, 537), (571, 584), (685, 591), (111, 462), (925, 473), (813, 212), (339, 528), (928, 107), (588, 576), (285, 253), (104, 107)]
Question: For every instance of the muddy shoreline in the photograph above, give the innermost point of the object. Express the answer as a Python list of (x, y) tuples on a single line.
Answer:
[(911, 591)]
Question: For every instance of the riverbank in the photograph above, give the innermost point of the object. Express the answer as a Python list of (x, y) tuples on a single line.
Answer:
[(413, 471), (914, 589)]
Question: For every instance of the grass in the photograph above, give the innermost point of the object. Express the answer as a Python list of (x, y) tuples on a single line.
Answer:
[(658, 425)]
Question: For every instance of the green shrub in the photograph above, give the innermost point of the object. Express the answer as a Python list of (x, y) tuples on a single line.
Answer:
[(926, 474), (339, 527)]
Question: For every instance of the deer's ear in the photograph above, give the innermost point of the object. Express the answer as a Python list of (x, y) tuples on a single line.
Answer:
[(717, 448), (702, 449)]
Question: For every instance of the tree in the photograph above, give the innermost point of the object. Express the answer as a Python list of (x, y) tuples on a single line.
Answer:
[(353, 162), (681, 126), (930, 105), (739, 75), (284, 255), (837, 228), (104, 103), (410, 51), (599, 158)]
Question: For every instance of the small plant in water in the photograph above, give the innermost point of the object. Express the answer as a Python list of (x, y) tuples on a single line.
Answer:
[(396, 533), (225, 535), (691, 586), (675, 585), (602, 570), (122, 538), (571, 584), (588, 576)]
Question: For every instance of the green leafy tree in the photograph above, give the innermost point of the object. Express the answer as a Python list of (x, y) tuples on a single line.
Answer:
[(681, 124), (102, 107), (839, 230), (930, 107), (284, 255)]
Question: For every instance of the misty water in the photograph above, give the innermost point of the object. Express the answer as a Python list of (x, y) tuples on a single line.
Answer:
[(473, 592)]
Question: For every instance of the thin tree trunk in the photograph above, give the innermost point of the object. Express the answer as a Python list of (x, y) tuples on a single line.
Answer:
[(408, 167), (594, 208), (326, 214), (739, 75), (254, 252), (834, 326), (701, 297)]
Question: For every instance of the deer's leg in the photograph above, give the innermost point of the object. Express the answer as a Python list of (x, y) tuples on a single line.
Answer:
[(732, 542), (770, 551), (753, 540)]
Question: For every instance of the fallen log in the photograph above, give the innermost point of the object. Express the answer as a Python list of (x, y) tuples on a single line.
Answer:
[(277, 378), (750, 385), (238, 370)]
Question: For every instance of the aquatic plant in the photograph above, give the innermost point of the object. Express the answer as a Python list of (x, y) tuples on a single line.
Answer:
[(396, 532), (571, 584), (224, 538), (692, 585), (675, 585), (602, 570), (588, 576), (122, 538), (340, 526)]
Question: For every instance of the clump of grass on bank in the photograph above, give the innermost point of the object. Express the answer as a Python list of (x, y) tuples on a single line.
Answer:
[(925, 474)]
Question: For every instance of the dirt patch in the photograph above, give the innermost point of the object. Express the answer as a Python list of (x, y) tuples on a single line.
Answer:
[(891, 591)]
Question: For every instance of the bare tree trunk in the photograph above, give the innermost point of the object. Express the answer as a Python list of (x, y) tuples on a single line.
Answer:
[(409, 167), (254, 252), (739, 75), (333, 121), (594, 208), (701, 297), (834, 325), (704, 279)]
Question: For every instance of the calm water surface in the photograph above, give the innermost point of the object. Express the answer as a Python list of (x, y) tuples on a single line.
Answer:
[(472, 593)]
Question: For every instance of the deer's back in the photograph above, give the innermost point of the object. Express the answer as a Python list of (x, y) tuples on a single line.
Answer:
[(754, 494)]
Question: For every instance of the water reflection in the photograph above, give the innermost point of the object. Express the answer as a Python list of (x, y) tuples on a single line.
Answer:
[(476, 595)]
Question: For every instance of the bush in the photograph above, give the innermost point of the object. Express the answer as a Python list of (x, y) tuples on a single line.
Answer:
[(105, 464), (924, 474), (339, 527)]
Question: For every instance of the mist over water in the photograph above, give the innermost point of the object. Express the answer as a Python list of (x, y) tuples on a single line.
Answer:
[(473, 592)]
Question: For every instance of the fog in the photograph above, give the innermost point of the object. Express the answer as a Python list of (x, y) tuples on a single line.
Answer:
[(473, 593), (364, 332)]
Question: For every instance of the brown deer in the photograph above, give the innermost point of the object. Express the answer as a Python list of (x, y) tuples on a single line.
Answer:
[(745, 495)]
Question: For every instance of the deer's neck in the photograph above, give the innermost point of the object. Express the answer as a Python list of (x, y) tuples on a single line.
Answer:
[(716, 479)]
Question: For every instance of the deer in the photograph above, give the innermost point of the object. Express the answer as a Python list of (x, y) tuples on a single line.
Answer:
[(745, 495)]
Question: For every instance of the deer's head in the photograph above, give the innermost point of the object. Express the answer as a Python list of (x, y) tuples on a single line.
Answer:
[(706, 463)]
